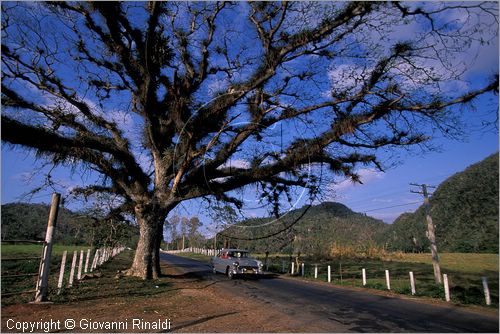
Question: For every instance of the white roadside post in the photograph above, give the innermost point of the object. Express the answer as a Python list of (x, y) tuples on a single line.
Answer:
[(446, 288), (282, 266), (87, 262), (302, 269), (72, 272), (80, 265), (387, 280), (316, 271), (329, 274), (486, 290), (363, 272), (412, 283), (94, 261), (61, 272), (293, 268)]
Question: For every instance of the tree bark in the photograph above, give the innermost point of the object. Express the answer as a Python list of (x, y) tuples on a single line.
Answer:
[(146, 264), (158, 239)]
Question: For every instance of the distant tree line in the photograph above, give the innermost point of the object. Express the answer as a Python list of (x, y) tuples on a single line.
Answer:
[(184, 232)]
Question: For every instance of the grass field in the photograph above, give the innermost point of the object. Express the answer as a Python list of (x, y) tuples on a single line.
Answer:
[(21, 266), (464, 262)]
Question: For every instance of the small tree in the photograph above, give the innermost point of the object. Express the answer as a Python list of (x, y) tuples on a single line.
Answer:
[(174, 224), (193, 226), (170, 101)]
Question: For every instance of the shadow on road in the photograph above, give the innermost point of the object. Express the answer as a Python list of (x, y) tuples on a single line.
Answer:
[(199, 321)]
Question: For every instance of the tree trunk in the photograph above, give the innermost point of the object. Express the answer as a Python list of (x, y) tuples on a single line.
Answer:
[(146, 264), (159, 239)]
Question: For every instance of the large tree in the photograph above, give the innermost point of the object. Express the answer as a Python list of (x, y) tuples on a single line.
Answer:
[(175, 101)]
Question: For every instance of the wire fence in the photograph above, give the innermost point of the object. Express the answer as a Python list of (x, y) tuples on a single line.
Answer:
[(23, 270)]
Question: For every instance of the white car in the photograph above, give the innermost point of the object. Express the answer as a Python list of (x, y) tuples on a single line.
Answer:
[(235, 262)]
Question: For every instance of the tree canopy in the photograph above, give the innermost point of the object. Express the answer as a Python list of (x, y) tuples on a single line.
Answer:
[(171, 101)]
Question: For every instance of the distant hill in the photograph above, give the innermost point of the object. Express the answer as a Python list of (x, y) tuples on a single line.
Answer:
[(322, 228), (464, 209), (26, 221)]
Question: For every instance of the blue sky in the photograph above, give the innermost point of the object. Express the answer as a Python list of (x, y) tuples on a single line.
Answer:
[(383, 195)]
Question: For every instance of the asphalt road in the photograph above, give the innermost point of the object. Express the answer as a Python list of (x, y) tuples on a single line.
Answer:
[(332, 309)]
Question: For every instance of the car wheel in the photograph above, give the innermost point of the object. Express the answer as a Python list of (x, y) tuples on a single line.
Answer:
[(214, 271), (229, 273)]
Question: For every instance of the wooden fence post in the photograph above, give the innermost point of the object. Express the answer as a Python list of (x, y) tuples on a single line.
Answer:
[(80, 265), (94, 261), (446, 288), (72, 272), (87, 261), (102, 253), (43, 278), (486, 290), (387, 280), (61, 272), (412, 284)]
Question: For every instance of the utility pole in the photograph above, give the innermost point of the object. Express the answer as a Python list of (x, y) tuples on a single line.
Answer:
[(431, 235)]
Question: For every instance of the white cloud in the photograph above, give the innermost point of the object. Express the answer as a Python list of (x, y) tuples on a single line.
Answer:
[(145, 161), (380, 200), (336, 191), (345, 76), (236, 163), (366, 175), (122, 118), (217, 86)]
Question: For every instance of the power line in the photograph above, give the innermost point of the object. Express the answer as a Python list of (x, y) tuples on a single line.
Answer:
[(380, 195), (392, 206)]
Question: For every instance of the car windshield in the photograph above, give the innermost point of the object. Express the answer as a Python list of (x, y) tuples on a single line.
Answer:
[(238, 254)]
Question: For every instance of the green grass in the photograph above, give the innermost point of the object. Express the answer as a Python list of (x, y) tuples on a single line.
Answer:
[(195, 256), (109, 285), (464, 274), (464, 262), (36, 250), (31, 266)]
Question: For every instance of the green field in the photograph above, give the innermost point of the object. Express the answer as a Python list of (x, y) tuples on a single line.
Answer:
[(464, 262), (30, 250), (21, 266)]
